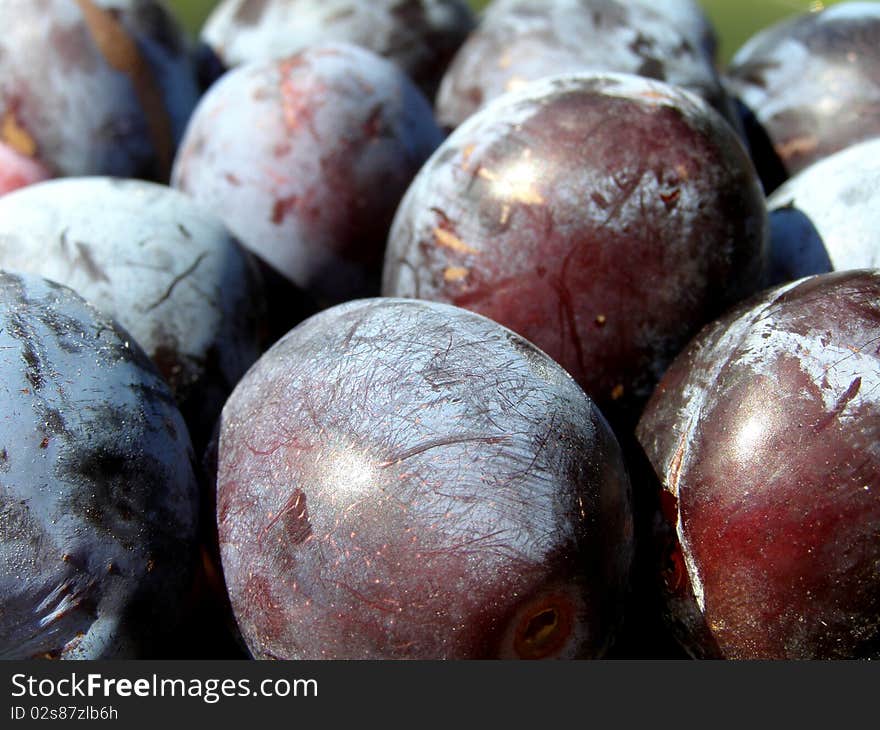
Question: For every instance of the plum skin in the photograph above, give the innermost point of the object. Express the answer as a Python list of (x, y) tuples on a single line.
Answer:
[(305, 159), (764, 435), (520, 41), (98, 496), (824, 218), (109, 92), (402, 479), (809, 86), (603, 217), (420, 36), (18, 170), (164, 268)]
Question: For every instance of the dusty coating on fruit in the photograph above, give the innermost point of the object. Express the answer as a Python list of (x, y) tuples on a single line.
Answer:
[(605, 218), (813, 81), (306, 159), (691, 20), (97, 492), (405, 479), (824, 218), (94, 87), (519, 41), (163, 267), (764, 434), (420, 36)]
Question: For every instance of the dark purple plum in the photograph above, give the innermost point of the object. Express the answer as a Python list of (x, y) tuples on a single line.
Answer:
[(164, 268), (208, 65), (403, 479), (98, 497), (17, 170), (605, 218), (106, 89), (811, 84), (306, 158), (420, 36), (827, 217), (764, 434), (520, 41)]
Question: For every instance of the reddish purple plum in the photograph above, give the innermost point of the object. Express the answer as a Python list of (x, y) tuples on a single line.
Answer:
[(520, 41), (306, 158), (605, 218), (403, 479), (765, 436)]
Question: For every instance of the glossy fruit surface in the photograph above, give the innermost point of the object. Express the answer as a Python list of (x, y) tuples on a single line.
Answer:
[(306, 159), (94, 87), (98, 499), (764, 434), (605, 218), (420, 36), (825, 218), (519, 41), (402, 479), (164, 268), (812, 82)]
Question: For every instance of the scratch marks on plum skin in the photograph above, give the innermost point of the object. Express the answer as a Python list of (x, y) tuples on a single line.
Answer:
[(299, 526), (83, 256), (286, 443), (439, 443), (387, 606), (842, 402), (567, 311), (177, 279)]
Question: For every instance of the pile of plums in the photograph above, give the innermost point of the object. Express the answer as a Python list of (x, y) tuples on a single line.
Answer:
[(383, 330)]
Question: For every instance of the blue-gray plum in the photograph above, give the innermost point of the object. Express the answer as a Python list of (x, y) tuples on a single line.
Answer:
[(603, 217), (164, 268), (405, 479), (765, 436), (306, 158), (827, 217), (810, 86), (94, 87), (691, 19), (420, 36), (98, 497), (520, 41)]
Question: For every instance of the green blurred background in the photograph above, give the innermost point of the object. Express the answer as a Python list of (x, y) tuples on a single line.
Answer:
[(735, 20)]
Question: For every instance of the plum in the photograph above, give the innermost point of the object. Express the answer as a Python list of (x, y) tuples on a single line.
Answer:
[(98, 497), (152, 259), (420, 36), (604, 217), (17, 170), (520, 41), (764, 434), (306, 158), (405, 479), (811, 84), (824, 218), (691, 20), (94, 87)]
